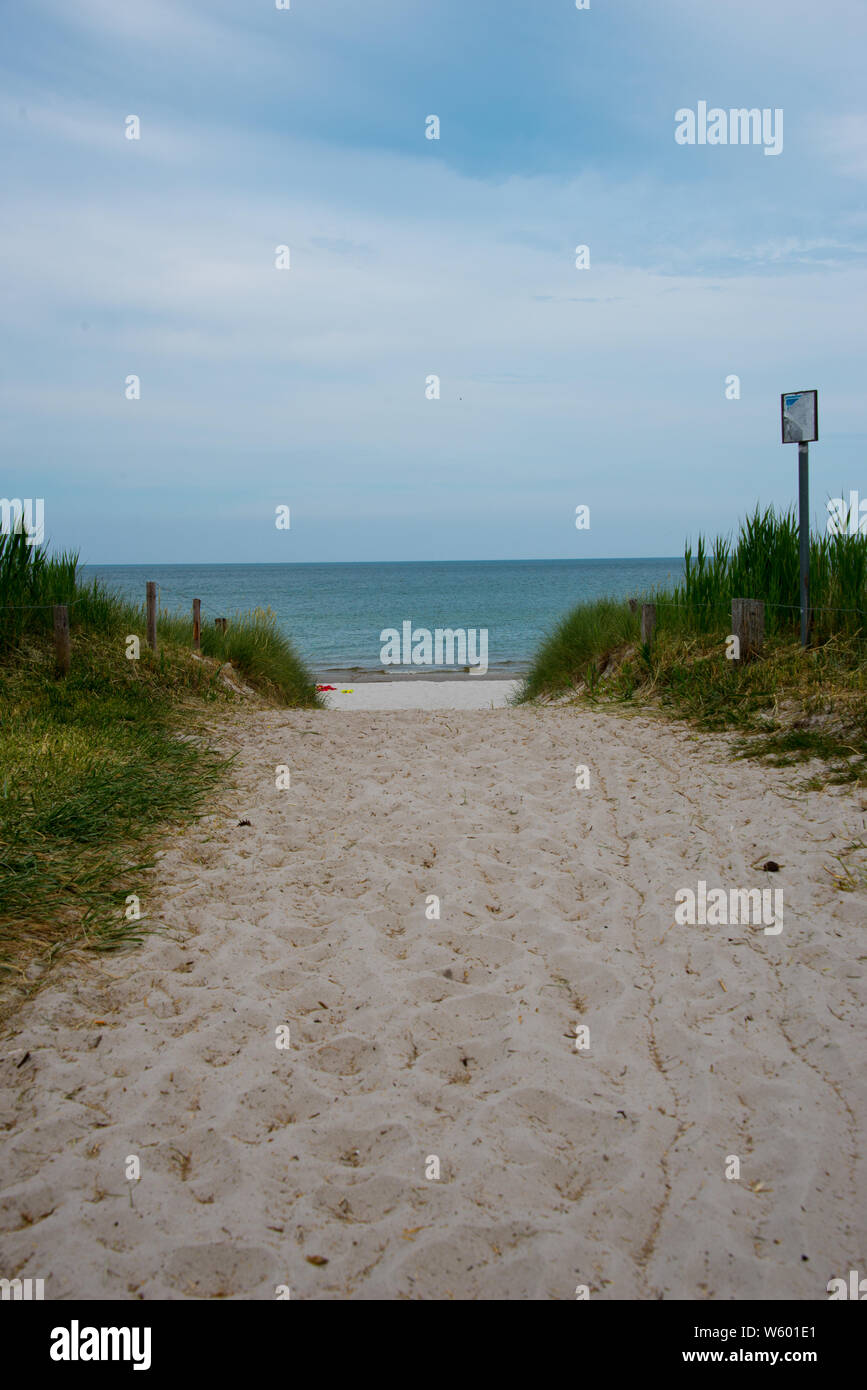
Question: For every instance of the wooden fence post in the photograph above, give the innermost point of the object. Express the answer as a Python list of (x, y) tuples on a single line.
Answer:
[(748, 625), (221, 624), (633, 605), (62, 645), (648, 622), (152, 615), (197, 624)]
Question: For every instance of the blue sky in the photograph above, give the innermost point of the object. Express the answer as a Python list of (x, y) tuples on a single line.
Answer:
[(412, 257)]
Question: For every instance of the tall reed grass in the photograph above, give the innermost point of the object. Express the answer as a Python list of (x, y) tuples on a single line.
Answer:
[(30, 584), (596, 648), (763, 563)]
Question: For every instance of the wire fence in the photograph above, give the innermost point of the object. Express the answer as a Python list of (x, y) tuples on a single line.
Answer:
[(659, 603), (32, 607), (726, 603)]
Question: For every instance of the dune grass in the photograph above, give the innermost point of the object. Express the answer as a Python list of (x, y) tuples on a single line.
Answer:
[(790, 705), (763, 563), (94, 765), (580, 646)]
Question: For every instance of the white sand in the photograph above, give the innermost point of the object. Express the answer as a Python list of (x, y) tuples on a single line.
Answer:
[(455, 1038), (470, 693)]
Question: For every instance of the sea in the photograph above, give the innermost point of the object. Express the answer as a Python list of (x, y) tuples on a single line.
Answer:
[(335, 613)]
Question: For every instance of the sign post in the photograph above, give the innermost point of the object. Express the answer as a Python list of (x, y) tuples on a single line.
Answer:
[(799, 412)]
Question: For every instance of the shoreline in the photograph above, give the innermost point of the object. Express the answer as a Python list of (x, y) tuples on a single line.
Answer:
[(367, 675)]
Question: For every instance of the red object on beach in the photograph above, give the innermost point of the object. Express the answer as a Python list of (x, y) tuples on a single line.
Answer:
[(326, 687)]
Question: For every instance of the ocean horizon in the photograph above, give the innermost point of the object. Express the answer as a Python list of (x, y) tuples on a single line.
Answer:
[(335, 611)]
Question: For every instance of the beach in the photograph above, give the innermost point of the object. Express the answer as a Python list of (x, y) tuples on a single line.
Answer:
[(434, 911), (473, 692)]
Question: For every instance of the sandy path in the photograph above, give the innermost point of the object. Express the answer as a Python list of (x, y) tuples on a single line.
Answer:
[(470, 693), (455, 1038)]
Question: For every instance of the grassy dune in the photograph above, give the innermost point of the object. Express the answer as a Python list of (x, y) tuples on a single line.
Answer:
[(93, 765), (790, 704)]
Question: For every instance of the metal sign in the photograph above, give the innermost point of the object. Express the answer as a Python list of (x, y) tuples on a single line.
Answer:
[(800, 418), (799, 411)]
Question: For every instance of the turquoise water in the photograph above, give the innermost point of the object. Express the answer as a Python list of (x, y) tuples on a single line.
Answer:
[(335, 613)]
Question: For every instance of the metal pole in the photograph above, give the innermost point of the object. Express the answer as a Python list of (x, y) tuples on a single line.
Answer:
[(804, 530)]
